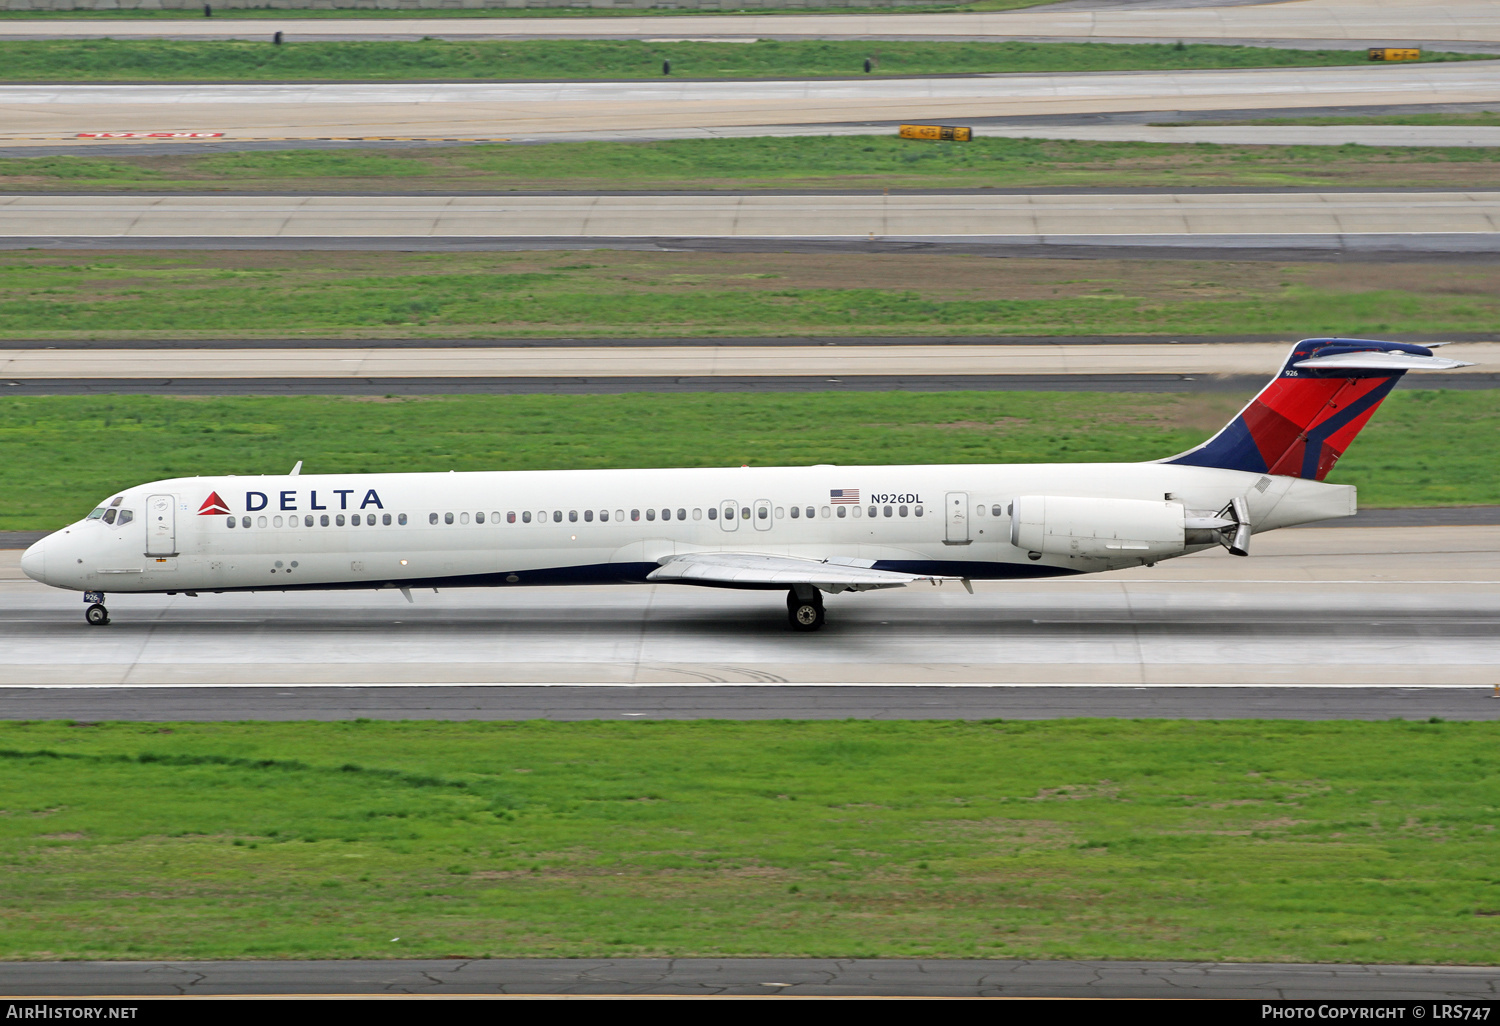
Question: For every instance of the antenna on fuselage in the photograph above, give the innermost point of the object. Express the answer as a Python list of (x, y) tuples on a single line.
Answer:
[(297, 469)]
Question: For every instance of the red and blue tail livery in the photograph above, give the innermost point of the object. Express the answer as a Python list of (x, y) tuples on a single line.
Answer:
[(1305, 419)]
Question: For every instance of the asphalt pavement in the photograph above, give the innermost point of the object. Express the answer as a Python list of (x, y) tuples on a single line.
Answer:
[(792, 977)]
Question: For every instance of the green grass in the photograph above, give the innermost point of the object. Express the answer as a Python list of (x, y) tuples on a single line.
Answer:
[(501, 295), (65, 453), (233, 60), (821, 162), (1266, 841)]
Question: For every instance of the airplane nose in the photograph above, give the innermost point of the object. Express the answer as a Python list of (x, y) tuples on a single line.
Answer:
[(33, 561)]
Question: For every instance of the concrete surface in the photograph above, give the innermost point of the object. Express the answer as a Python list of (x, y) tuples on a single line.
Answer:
[(56, 113), (1353, 22), (853, 218), (226, 361), (1392, 607)]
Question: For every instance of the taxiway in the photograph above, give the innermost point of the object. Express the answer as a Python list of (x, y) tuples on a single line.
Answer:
[(1317, 22)]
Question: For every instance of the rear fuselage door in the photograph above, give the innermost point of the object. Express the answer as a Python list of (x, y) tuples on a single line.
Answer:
[(161, 525), (956, 505)]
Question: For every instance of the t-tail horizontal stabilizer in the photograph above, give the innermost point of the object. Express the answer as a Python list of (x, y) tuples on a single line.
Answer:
[(1304, 420)]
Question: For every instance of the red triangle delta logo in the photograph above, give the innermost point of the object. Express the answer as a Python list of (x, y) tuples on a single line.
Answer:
[(211, 505)]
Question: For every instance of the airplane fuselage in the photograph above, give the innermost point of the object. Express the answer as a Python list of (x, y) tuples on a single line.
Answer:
[(617, 526)]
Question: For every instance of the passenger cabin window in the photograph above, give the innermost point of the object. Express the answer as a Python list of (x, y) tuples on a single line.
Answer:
[(557, 516), (478, 518), (620, 515), (244, 521), (510, 517), (874, 511), (888, 511), (230, 521), (307, 521), (810, 513), (323, 519), (604, 516), (572, 516), (666, 514), (650, 514), (385, 519), (431, 518), (902, 510), (447, 518), (842, 512), (463, 518), (275, 521), (827, 512), (401, 519), (635, 514), (713, 514), (698, 513), (796, 512), (762, 513), (682, 514), (588, 516), (917, 510), (995, 509), (526, 517), (744, 512)]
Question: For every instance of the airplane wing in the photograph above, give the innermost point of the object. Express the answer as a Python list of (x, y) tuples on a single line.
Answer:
[(758, 570)]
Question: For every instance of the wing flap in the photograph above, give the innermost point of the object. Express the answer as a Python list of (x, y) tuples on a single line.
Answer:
[(755, 569)]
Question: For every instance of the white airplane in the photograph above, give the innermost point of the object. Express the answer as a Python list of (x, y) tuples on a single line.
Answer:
[(802, 530)]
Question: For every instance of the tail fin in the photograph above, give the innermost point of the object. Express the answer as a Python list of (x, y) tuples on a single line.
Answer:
[(1303, 421)]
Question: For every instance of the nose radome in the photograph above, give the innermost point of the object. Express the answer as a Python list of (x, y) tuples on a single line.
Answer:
[(33, 561)]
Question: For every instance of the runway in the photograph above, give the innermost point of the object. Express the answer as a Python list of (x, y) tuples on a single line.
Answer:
[(1369, 607), (792, 977), (50, 115), (1200, 220), (1325, 22)]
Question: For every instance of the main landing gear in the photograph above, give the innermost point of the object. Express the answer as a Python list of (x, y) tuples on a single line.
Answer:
[(95, 614), (805, 614)]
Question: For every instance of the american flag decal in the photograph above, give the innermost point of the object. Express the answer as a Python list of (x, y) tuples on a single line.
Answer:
[(844, 496)]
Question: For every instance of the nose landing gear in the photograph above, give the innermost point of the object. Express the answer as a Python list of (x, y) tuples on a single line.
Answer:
[(805, 614), (95, 614)]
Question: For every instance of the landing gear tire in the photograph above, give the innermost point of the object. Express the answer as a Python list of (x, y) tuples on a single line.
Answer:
[(804, 614), (96, 615)]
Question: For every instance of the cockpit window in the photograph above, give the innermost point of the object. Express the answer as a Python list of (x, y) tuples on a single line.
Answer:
[(109, 516), (96, 514), (116, 500), (126, 516)]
